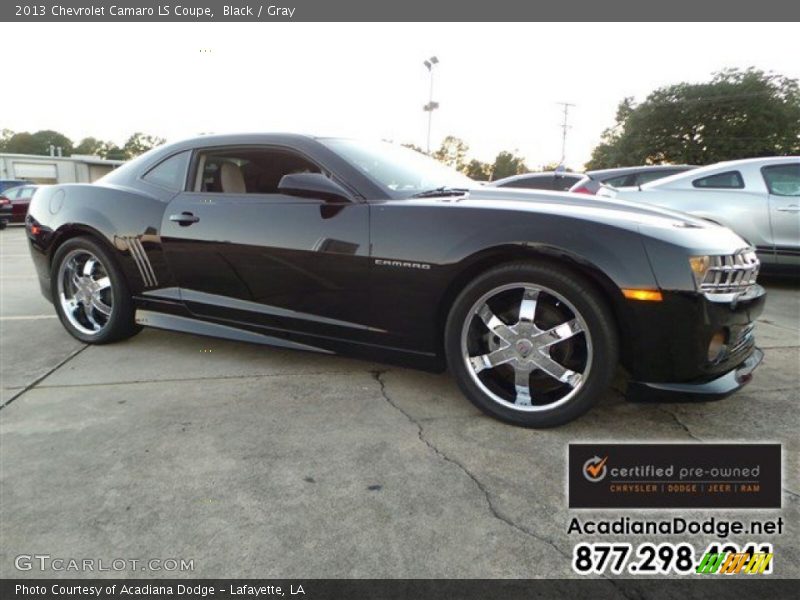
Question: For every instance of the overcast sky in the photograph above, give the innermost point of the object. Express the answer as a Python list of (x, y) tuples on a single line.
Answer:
[(498, 84)]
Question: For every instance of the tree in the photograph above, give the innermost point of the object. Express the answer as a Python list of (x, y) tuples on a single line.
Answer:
[(5, 135), (453, 152), (507, 164), (139, 143), (37, 143), (738, 114), (91, 146), (413, 147), (477, 170), (113, 152)]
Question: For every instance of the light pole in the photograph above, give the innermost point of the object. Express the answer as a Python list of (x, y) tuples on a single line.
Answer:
[(431, 105)]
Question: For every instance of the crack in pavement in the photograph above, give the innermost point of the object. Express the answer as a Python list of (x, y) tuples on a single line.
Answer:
[(680, 423), (683, 426), (36, 381), (378, 376)]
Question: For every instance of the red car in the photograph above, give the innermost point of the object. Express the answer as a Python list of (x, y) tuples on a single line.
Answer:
[(20, 198)]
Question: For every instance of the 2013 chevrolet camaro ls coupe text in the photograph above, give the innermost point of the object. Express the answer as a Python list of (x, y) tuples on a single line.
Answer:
[(531, 299)]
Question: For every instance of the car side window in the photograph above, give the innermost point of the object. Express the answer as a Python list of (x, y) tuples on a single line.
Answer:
[(727, 180), (619, 181), (170, 173), (782, 180), (26, 193), (536, 182), (11, 193), (247, 170)]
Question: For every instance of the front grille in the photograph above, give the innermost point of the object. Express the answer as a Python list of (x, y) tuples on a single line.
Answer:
[(731, 273), (743, 339)]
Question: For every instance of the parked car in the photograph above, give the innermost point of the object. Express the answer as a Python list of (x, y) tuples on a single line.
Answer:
[(10, 183), (20, 198), (335, 245), (759, 198), (5, 212), (625, 177), (557, 181)]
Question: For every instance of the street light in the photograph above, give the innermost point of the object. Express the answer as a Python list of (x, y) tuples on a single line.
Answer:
[(431, 105)]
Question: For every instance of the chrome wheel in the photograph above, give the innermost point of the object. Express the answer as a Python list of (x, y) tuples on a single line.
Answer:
[(526, 347), (84, 292)]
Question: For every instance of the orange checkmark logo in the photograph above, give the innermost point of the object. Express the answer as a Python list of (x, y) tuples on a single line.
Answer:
[(595, 468)]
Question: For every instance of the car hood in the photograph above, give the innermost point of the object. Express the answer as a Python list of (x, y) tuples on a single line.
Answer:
[(579, 206), (695, 235)]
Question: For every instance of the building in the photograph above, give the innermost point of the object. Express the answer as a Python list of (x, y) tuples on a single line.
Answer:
[(78, 168)]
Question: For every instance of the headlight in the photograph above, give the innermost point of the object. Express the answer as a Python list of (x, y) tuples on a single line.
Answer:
[(700, 266)]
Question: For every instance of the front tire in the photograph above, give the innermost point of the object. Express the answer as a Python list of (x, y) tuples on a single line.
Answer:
[(532, 345), (91, 295)]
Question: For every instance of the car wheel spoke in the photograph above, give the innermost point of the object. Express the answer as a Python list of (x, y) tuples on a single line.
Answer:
[(103, 283), (558, 333), (527, 307), (101, 306), (492, 359), (522, 386), (556, 371), (88, 266), (495, 324)]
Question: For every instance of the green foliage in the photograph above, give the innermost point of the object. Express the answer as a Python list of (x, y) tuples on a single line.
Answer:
[(35, 143), (39, 143), (453, 152), (738, 114), (507, 164), (91, 146), (139, 143), (477, 170)]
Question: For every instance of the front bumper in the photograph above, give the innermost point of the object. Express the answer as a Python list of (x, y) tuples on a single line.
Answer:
[(716, 389), (667, 350)]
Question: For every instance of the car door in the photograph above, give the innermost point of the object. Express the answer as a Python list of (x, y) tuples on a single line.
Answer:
[(783, 185), (242, 251)]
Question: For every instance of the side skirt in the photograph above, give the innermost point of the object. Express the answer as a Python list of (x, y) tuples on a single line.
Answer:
[(160, 320)]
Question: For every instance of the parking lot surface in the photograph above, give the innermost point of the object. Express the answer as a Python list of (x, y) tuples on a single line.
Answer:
[(260, 462)]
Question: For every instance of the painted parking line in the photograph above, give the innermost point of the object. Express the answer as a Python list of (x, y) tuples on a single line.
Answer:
[(28, 318)]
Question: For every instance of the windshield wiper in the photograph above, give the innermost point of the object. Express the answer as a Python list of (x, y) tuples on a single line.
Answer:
[(441, 191)]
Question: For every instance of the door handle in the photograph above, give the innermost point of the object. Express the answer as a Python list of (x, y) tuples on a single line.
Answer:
[(790, 208), (184, 219)]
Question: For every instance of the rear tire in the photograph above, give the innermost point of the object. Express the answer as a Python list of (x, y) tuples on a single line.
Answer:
[(532, 345), (90, 293)]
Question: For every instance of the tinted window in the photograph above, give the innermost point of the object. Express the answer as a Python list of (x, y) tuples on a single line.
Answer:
[(727, 180), (562, 184), (783, 180), (620, 181), (26, 193), (12, 193), (247, 170), (169, 173), (535, 182), (642, 178)]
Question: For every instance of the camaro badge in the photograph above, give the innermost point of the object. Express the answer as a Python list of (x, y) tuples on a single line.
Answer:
[(401, 263)]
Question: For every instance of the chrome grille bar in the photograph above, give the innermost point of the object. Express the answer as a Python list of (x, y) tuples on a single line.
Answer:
[(731, 273)]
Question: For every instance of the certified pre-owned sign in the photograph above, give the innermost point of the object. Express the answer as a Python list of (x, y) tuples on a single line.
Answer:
[(674, 475)]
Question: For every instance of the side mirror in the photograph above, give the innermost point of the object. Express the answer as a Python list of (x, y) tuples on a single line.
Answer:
[(313, 185)]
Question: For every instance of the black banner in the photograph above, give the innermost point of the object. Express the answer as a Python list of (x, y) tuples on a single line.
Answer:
[(674, 475), (390, 589), (409, 10)]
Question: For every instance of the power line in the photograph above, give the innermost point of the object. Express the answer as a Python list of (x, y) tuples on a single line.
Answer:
[(564, 128)]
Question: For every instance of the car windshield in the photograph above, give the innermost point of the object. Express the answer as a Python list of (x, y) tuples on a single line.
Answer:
[(402, 171)]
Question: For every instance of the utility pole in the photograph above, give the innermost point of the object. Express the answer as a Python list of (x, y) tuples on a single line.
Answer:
[(564, 128), (431, 105)]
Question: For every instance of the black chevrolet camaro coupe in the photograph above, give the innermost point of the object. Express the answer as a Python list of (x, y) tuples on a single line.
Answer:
[(532, 299)]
